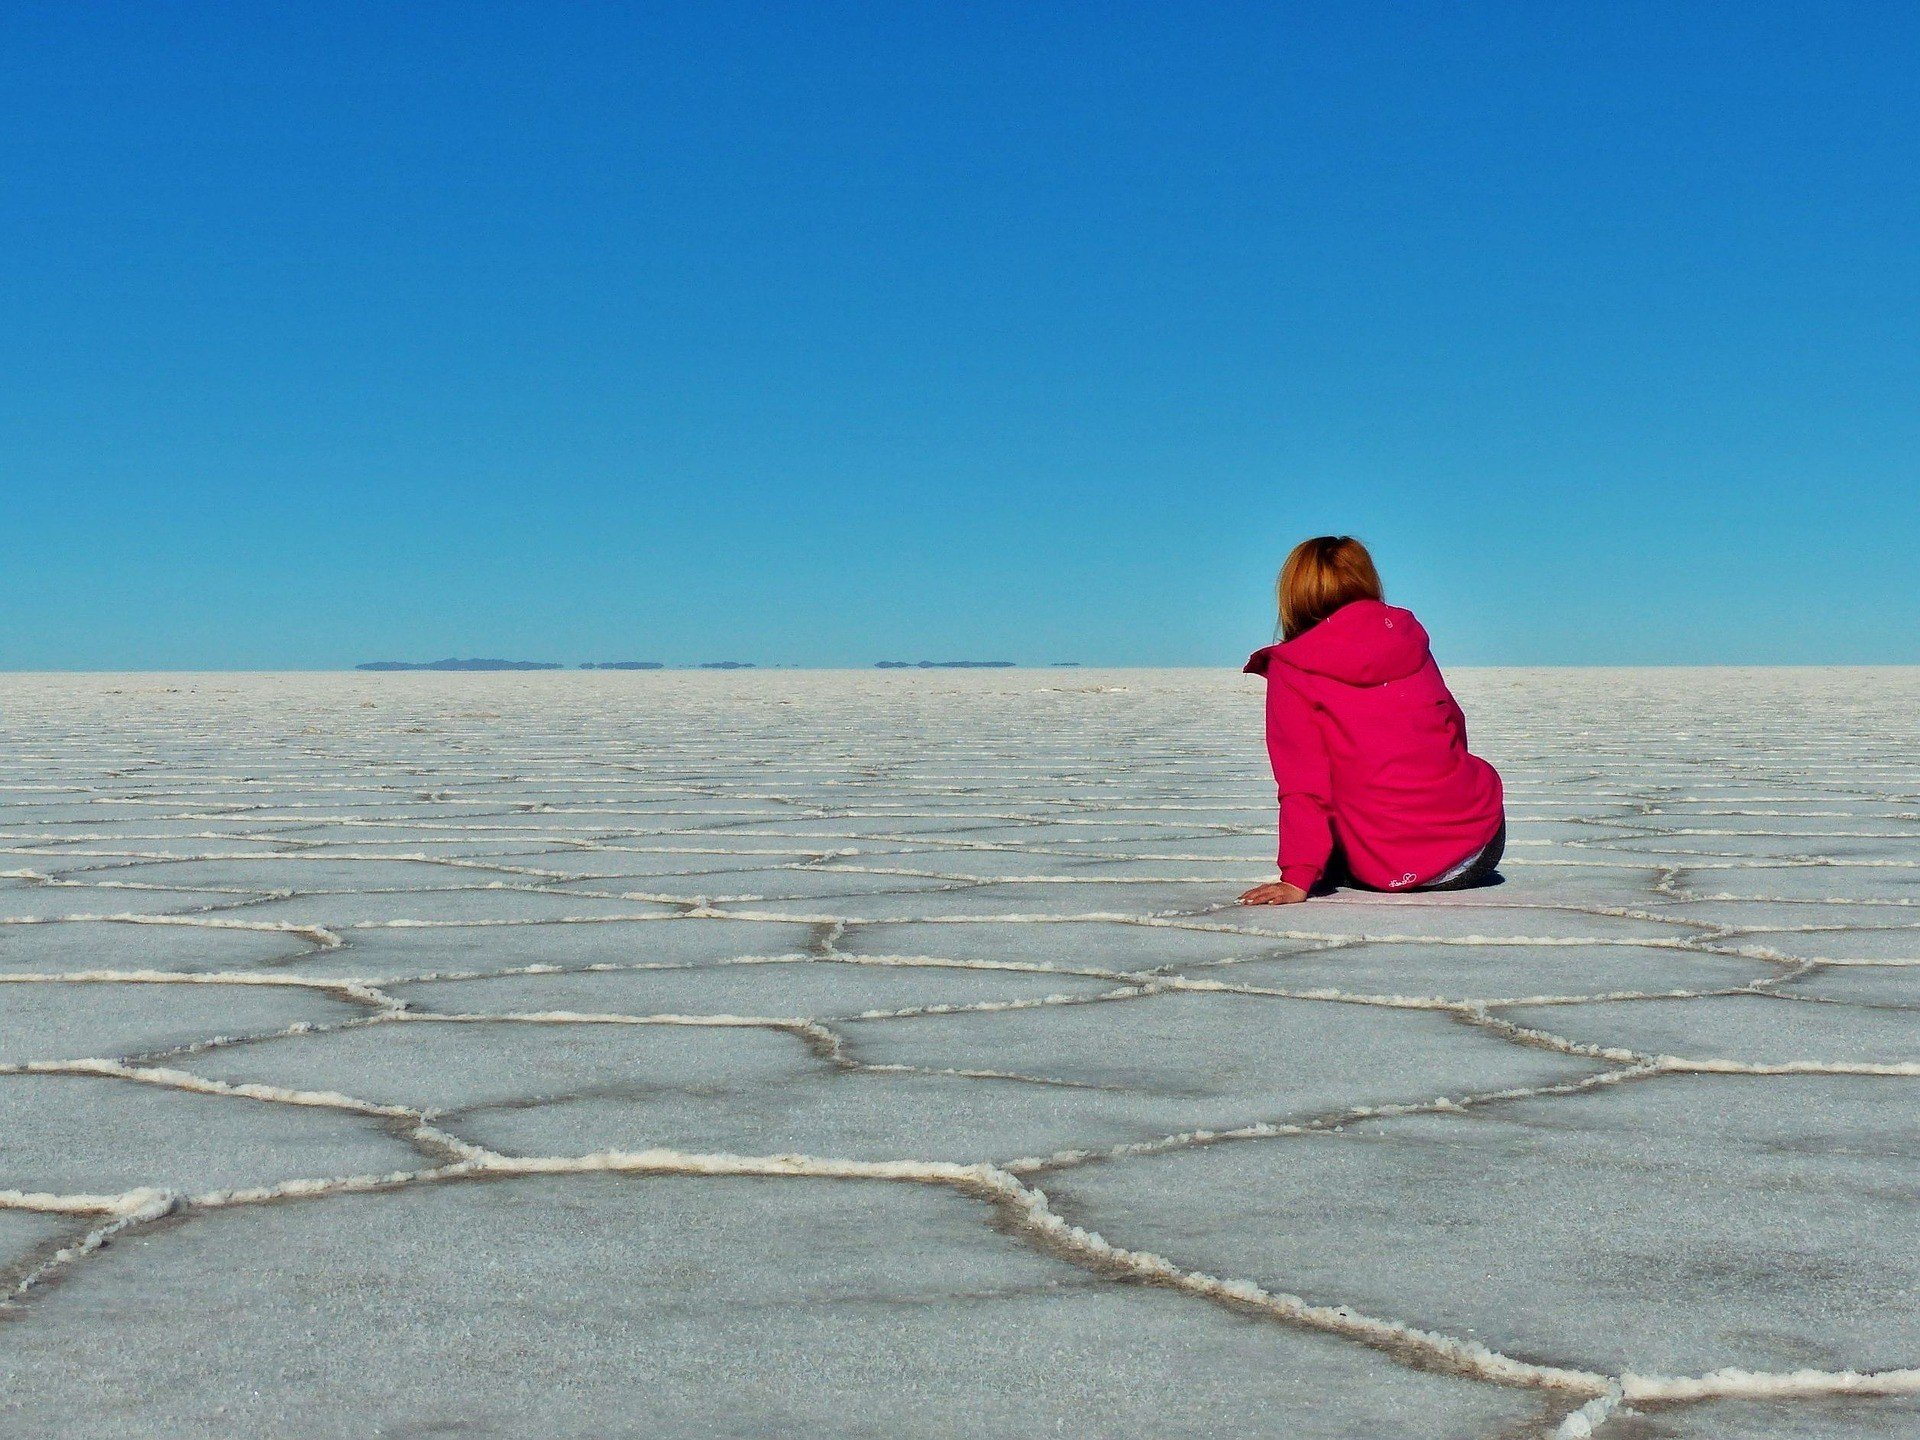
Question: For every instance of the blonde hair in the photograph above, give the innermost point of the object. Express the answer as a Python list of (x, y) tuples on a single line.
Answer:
[(1320, 576)]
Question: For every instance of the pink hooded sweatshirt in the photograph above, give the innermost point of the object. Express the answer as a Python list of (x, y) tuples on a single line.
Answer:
[(1370, 751)]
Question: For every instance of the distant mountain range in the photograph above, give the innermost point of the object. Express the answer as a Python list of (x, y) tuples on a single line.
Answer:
[(659, 665), (943, 665), (508, 665), (460, 665)]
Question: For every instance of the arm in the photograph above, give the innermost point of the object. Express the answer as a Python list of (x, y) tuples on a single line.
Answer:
[(1459, 719), (1301, 770)]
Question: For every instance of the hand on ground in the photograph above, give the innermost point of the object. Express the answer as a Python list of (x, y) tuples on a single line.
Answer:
[(1274, 892)]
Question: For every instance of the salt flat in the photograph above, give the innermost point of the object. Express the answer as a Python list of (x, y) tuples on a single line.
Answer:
[(793, 1053)]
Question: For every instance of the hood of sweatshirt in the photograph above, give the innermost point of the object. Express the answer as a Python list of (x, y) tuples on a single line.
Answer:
[(1365, 642)]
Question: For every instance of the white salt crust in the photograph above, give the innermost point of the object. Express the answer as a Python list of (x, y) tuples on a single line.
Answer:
[(1094, 818)]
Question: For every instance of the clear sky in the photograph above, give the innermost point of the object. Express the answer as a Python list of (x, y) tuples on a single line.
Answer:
[(828, 333)]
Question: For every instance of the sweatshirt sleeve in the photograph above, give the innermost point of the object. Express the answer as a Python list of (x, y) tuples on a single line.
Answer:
[(1459, 719), (1300, 769)]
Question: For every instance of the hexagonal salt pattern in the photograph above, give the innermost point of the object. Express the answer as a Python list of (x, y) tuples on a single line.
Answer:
[(680, 1054), (601, 1306), (1671, 1226)]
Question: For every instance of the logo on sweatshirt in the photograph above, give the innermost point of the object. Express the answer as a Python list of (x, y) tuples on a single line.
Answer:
[(1406, 879)]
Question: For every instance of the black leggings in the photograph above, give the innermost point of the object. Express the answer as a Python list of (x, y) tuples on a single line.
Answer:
[(1480, 872)]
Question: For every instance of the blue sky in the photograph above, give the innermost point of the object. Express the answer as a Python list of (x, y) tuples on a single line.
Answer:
[(825, 334)]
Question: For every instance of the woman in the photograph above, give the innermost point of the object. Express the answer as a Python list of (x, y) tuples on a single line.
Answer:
[(1377, 788)]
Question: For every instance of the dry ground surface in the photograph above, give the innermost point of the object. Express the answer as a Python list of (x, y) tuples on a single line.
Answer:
[(883, 1055)]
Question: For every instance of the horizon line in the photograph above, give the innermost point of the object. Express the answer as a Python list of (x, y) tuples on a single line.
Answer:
[(696, 668)]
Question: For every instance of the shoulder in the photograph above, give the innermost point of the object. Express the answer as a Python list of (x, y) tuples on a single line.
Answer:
[(1289, 692)]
